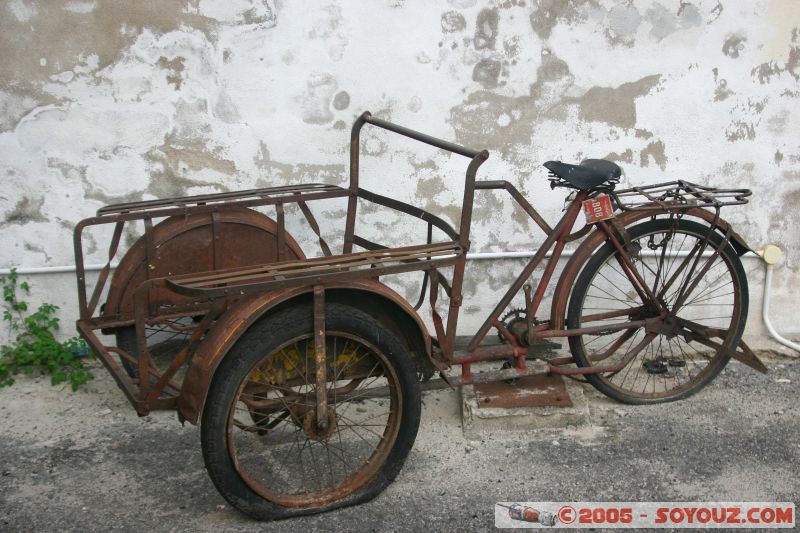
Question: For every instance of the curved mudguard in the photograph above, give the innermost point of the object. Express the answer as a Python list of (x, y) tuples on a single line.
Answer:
[(230, 237), (243, 313), (597, 238)]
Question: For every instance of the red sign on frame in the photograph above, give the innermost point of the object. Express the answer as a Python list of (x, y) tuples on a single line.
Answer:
[(597, 209)]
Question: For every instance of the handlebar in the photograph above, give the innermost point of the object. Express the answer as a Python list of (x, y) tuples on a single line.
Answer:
[(477, 159), (417, 136)]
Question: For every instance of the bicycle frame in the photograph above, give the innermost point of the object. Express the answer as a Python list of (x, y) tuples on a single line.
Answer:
[(556, 239)]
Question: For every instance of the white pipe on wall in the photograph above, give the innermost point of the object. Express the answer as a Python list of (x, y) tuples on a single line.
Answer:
[(474, 256), (771, 254), (54, 269)]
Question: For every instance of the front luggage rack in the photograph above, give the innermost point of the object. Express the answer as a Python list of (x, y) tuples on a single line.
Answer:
[(677, 195)]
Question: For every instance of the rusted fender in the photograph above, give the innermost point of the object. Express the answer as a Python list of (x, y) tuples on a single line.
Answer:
[(231, 237), (597, 238), (243, 313)]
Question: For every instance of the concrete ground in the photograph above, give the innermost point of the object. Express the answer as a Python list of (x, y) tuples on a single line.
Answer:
[(85, 462)]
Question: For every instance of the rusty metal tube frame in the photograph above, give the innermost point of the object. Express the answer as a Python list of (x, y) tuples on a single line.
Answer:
[(278, 196), (319, 357), (557, 236), (477, 157), (205, 204), (324, 272)]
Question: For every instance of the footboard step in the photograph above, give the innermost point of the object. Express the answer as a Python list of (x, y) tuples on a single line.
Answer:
[(531, 402)]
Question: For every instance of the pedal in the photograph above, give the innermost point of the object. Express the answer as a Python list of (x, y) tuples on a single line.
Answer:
[(655, 367)]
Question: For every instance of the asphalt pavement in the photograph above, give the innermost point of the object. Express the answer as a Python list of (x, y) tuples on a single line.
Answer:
[(84, 461)]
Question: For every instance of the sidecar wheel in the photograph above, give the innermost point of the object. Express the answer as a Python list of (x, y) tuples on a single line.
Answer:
[(261, 444)]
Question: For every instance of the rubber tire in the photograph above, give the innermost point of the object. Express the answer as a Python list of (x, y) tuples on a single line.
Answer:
[(126, 341), (262, 338), (588, 273)]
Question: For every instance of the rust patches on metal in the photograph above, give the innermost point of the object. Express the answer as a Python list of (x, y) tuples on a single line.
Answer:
[(245, 237), (541, 390), (271, 283)]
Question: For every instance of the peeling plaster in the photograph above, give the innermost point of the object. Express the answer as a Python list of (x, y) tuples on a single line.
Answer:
[(27, 210), (766, 71), (453, 21), (174, 68), (665, 22), (654, 150), (547, 14), (722, 91), (105, 101), (734, 45), (487, 72), (13, 107), (616, 105), (316, 100), (623, 23), (486, 29), (624, 157), (106, 31), (739, 130)]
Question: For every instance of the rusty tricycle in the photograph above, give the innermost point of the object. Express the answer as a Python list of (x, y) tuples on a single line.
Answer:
[(305, 374)]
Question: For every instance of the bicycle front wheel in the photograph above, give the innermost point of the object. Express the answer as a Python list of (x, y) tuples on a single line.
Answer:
[(663, 365)]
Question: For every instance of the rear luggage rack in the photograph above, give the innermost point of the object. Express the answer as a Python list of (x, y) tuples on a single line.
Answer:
[(677, 195)]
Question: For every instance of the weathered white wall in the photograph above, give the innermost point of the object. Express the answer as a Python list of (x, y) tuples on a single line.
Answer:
[(106, 101)]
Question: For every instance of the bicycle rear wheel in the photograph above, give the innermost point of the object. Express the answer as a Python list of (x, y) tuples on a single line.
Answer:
[(664, 363)]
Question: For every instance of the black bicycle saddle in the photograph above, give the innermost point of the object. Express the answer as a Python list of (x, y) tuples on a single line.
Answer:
[(588, 175)]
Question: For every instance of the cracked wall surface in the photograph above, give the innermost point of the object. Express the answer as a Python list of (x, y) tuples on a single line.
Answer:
[(105, 101)]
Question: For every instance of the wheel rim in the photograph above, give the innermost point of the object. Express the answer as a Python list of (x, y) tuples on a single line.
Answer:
[(165, 338), (668, 365), (272, 436)]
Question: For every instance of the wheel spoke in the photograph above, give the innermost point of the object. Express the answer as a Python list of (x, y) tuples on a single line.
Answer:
[(282, 454), (712, 293)]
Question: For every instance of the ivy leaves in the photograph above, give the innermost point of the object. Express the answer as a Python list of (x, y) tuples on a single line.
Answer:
[(35, 348)]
